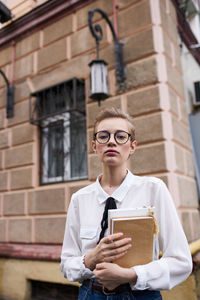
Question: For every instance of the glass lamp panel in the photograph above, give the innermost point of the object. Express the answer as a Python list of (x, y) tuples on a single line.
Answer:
[(98, 79)]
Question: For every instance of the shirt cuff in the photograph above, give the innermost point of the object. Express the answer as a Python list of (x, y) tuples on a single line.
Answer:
[(141, 283), (85, 272)]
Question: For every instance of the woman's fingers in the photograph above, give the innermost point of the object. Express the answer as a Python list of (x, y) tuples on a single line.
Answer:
[(118, 243), (112, 258), (115, 240), (117, 250), (112, 237), (113, 247)]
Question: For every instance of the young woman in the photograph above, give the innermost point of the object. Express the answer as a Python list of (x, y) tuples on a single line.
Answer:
[(88, 251)]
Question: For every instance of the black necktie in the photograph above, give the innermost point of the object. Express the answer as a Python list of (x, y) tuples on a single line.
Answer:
[(110, 204)]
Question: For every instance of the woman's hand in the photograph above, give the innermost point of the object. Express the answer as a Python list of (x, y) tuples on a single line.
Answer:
[(109, 249), (111, 275)]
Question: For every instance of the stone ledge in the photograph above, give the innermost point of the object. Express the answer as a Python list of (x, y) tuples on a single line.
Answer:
[(30, 251)]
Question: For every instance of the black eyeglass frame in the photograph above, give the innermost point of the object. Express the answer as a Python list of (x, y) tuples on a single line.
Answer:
[(109, 134)]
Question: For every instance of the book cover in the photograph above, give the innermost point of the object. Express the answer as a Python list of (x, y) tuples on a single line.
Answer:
[(138, 224)]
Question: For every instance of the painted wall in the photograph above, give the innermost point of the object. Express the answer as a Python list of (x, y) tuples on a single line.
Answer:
[(45, 271)]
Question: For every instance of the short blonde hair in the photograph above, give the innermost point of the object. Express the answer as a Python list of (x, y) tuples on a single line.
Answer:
[(113, 112)]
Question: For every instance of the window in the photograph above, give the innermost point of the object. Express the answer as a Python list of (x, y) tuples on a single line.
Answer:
[(59, 112), (194, 120), (191, 11), (194, 21), (53, 291)]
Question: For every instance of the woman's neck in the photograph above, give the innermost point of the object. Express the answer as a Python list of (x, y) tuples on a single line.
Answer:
[(112, 178)]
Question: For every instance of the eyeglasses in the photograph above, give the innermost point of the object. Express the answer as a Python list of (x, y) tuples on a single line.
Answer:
[(103, 137)]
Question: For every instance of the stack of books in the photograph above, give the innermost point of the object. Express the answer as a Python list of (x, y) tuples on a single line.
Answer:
[(140, 225)]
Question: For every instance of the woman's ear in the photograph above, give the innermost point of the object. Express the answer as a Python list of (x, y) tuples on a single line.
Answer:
[(133, 146), (94, 146)]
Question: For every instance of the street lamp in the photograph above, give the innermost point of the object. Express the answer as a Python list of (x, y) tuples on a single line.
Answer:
[(98, 79), (98, 67)]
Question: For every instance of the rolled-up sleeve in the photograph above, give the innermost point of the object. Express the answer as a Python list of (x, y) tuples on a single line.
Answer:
[(176, 263), (72, 260)]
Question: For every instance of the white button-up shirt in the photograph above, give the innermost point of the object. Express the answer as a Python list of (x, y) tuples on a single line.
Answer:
[(83, 229)]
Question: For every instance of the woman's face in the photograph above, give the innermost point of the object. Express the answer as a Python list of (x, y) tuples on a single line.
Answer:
[(112, 153)]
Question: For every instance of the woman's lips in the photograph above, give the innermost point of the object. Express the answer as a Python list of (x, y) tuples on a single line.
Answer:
[(111, 152)]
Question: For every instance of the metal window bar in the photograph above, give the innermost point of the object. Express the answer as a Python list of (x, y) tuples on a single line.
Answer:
[(57, 99), (78, 147), (59, 111), (55, 149)]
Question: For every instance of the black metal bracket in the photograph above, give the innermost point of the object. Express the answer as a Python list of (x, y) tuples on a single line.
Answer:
[(10, 97), (97, 33), (5, 13)]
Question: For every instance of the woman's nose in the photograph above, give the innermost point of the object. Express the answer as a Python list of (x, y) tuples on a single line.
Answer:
[(112, 139)]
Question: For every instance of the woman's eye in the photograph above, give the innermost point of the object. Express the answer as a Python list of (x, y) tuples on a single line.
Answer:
[(103, 137), (120, 137)]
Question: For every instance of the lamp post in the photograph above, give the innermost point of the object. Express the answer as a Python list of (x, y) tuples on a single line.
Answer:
[(98, 67), (10, 97)]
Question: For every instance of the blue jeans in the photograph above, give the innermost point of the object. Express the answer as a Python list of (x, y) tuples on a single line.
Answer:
[(87, 293)]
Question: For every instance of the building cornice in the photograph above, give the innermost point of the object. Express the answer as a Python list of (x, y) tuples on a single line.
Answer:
[(37, 18), (54, 9), (185, 32)]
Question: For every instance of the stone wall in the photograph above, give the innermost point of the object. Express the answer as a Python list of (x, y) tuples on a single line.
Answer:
[(154, 97), (62, 49)]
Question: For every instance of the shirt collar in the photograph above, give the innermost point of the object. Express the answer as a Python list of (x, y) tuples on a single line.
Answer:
[(119, 193)]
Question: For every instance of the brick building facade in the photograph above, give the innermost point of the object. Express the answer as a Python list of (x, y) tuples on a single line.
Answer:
[(40, 50)]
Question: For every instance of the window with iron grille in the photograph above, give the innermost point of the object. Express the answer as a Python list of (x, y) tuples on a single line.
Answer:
[(59, 112), (53, 291)]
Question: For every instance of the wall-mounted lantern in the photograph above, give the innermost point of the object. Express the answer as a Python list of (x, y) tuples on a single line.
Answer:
[(98, 79), (10, 97), (98, 67)]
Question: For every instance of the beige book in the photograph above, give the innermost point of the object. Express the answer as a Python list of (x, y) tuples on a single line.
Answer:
[(141, 230)]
